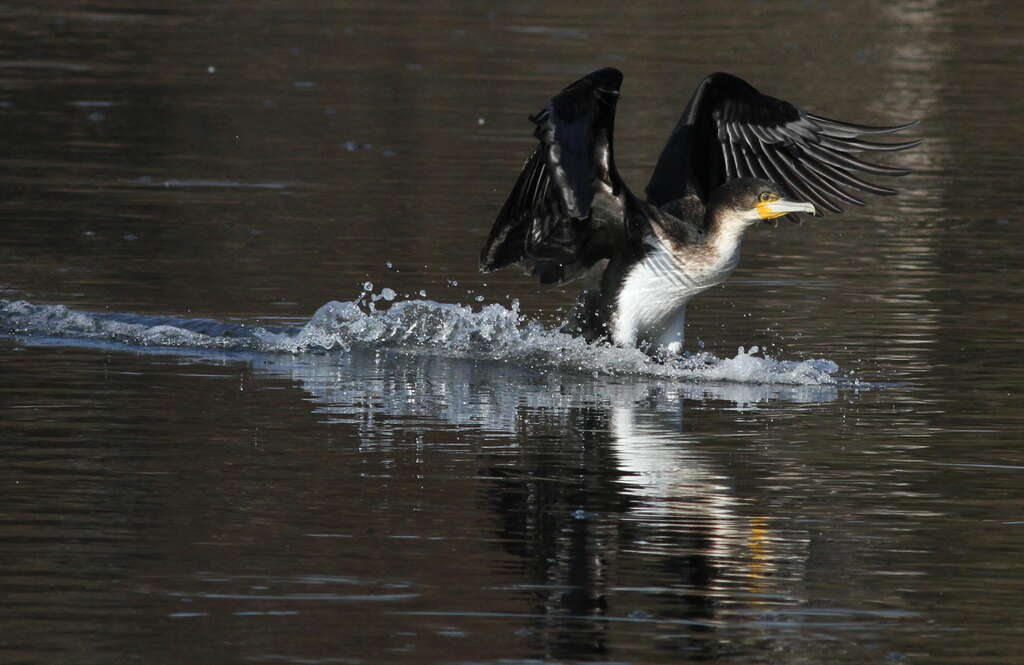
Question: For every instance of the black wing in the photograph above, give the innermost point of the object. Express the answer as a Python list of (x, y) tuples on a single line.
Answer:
[(730, 130), (568, 202)]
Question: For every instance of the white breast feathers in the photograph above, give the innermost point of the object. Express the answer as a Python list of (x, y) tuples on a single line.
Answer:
[(650, 310)]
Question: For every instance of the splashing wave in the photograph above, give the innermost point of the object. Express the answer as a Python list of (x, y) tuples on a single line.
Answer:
[(494, 333)]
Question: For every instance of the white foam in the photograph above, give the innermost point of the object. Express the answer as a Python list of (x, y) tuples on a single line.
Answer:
[(499, 333), (494, 333)]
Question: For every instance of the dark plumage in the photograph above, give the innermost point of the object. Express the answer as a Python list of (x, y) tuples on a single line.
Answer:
[(735, 157)]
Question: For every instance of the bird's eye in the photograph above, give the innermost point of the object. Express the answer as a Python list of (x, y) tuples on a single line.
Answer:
[(766, 196)]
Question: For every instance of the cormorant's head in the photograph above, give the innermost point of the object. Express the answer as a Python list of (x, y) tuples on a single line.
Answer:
[(751, 200)]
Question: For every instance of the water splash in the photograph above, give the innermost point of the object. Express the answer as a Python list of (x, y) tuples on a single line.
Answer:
[(494, 333)]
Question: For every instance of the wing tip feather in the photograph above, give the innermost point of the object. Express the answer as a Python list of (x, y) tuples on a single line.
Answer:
[(861, 129)]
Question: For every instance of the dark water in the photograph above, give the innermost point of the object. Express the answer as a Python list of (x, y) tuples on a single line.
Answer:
[(197, 468)]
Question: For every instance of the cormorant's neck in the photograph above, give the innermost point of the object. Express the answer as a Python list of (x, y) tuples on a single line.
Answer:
[(725, 229)]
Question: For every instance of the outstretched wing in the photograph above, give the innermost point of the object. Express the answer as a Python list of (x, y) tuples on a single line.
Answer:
[(730, 130), (568, 202)]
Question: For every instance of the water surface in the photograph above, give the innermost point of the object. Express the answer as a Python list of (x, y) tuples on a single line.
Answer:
[(257, 405)]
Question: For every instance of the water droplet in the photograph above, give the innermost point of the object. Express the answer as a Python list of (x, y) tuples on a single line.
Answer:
[(423, 293), (367, 286), (388, 294)]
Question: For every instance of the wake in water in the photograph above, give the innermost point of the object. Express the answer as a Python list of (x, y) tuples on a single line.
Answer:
[(494, 333)]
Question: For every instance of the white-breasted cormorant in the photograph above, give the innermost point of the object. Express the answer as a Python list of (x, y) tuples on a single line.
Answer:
[(736, 157)]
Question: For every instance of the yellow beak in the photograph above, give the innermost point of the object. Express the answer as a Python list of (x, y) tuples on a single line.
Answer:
[(773, 209)]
